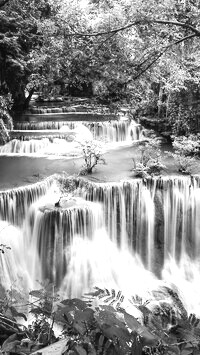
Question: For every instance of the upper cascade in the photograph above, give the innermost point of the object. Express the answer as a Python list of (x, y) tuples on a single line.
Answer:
[(112, 131), (67, 136)]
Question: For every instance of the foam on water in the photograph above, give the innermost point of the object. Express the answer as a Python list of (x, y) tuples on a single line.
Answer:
[(130, 236)]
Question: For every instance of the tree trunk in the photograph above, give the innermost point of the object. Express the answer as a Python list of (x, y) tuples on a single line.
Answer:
[(160, 98), (19, 99)]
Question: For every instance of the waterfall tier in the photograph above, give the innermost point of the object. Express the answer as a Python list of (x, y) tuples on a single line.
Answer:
[(66, 146), (112, 131), (14, 204), (65, 140), (98, 232)]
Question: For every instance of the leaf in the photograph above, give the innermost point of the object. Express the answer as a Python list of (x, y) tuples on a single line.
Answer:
[(136, 348), (37, 293), (111, 318), (188, 351), (87, 315), (11, 346), (75, 303), (80, 350), (15, 313), (131, 322), (95, 293), (113, 332), (148, 338), (10, 339)]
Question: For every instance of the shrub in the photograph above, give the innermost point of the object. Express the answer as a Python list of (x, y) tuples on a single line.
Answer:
[(187, 146), (92, 155), (185, 150), (149, 160), (184, 163)]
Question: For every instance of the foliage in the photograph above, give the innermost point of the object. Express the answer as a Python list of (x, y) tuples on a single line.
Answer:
[(42, 308), (185, 150), (20, 41), (149, 160), (92, 154), (5, 118), (189, 146), (100, 324), (143, 51)]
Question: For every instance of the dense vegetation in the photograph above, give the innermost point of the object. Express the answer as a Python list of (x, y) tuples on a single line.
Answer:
[(144, 52), (100, 325)]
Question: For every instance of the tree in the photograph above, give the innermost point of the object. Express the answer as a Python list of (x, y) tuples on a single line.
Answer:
[(21, 38), (146, 51)]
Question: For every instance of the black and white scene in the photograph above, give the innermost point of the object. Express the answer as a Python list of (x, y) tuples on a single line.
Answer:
[(100, 177)]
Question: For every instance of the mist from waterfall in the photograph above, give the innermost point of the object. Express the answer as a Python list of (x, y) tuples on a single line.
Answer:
[(125, 235)]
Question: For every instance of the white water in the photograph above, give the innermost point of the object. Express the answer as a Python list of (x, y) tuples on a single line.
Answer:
[(118, 235), (113, 134)]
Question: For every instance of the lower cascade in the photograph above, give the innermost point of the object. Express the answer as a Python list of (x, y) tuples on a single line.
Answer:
[(126, 235)]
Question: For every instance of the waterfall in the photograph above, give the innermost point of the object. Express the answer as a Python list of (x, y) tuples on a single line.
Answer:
[(25, 146), (15, 203), (104, 233), (67, 134), (43, 110), (111, 131), (66, 146)]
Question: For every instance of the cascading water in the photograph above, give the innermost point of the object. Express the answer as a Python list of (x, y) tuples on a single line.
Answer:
[(107, 234), (66, 146), (15, 203), (25, 146), (60, 144), (109, 130)]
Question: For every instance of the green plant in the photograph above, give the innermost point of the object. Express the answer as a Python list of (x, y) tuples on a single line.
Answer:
[(188, 146), (184, 163), (140, 170), (43, 310), (185, 150), (101, 325), (92, 154), (5, 118), (149, 160)]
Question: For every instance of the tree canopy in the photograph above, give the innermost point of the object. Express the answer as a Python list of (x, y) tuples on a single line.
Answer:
[(146, 51)]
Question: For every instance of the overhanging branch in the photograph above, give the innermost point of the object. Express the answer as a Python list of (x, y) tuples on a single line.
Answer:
[(180, 24), (119, 29), (158, 55), (96, 34)]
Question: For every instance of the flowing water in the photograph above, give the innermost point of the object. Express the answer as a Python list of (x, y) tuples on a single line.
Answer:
[(30, 138), (131, 236), (123, 235)]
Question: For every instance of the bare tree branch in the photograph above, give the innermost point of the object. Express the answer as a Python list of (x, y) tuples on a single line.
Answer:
[(182, 40), (96, 34), (161, 53), (148, 66), (164, 22), (180, 24)]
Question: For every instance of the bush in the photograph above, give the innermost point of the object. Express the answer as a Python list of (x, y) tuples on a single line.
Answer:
[(188, 146), (185, 150), (184, 163), (150, 159), (92, 155)]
